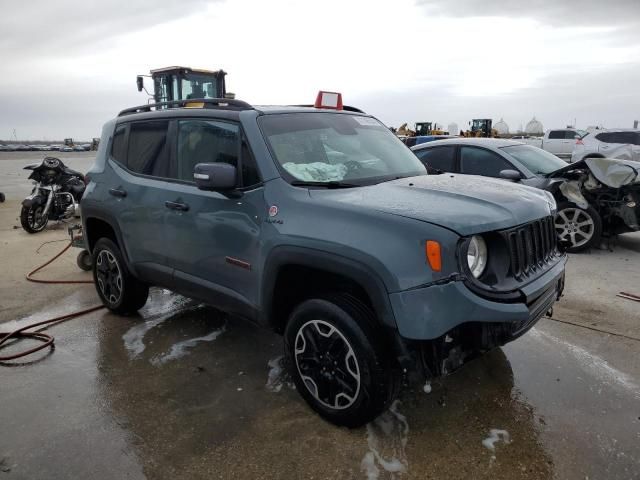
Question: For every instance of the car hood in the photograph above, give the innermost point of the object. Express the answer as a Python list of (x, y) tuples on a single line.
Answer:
[(613, 172), (466, 204)]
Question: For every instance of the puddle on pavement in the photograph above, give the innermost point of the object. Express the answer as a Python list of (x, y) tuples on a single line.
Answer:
[(71, 303), (194, 391), (180, 349)]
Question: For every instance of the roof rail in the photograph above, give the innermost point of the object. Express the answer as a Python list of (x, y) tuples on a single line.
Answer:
[(348, 108), (222, 103)]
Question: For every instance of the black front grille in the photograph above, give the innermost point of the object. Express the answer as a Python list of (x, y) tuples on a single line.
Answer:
[(531, 246)]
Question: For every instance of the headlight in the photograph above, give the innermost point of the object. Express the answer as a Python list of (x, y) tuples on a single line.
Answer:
[(477, 255), (553, 206)]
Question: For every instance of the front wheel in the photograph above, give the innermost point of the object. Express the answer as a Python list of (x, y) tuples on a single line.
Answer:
[(32, 218), (581, 227), (338, 360), (119, 291)]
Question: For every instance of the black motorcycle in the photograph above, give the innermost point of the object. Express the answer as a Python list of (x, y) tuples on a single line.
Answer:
[(55, 196)]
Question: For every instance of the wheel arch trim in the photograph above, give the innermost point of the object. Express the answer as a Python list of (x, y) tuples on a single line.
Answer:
[(361, 274)]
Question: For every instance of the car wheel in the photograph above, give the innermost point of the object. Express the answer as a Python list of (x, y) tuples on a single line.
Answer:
[(338, 362), (32, 220), (119, 291), (84, 261), (2, 197), (581, 227)]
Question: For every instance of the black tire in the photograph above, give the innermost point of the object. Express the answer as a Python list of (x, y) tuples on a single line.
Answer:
[(2, 197), (119, 291), (364, 382), (31, 219), (84, 261), (571, 223)]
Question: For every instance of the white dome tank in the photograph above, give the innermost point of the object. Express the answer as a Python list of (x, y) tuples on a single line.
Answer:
[(501, 127), (534, 127), (453, 129)]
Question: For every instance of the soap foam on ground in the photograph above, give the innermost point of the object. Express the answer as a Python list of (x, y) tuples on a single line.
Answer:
[(387, 438)]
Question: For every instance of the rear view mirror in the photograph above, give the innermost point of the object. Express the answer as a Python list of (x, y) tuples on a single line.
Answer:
[(140, 82), (215, 176), (512, 175)]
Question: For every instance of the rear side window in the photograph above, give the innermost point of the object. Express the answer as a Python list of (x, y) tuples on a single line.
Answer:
[(205, 141), (570, 135), (632, 138), (478, 161), (148, 152), (556, 135), (438, 159), (118, 146)]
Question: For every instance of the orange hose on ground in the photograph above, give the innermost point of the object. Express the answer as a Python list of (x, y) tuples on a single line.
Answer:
[(36, 270), (46, 339)]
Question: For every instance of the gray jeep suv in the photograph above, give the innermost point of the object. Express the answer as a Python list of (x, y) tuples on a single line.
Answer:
[(321, 225)]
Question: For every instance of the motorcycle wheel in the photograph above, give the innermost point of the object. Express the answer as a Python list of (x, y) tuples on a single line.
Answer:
[(32, 220)]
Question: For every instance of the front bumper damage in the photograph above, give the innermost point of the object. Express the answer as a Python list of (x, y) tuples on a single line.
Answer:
[(446, 325)]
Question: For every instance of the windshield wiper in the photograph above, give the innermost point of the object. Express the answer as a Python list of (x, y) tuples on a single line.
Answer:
[(330, 184)]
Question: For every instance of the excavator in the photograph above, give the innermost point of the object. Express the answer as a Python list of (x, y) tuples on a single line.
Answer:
[(184, 83)]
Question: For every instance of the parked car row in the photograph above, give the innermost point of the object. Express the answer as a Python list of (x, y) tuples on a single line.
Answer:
[(597, 197), (575, 145), (85, 147)]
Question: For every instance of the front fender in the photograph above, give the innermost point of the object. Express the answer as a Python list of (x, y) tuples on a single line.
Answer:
[(34, 200), (360, 273)]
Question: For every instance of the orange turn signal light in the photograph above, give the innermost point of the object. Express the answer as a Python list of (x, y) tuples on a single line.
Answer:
[(434, 257)]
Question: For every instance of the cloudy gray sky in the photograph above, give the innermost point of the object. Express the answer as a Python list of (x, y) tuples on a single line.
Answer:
[(70, 65)]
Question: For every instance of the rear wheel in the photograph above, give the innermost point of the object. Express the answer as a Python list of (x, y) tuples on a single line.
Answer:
[(338, 361), (32, 218), (581, 227), (119, 291)]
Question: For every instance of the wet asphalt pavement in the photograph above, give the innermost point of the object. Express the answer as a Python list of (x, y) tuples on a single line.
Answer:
[(183, 392)]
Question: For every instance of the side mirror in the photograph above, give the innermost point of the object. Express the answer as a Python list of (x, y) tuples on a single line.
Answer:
[(215, 176), (140, 82), (512, 175)]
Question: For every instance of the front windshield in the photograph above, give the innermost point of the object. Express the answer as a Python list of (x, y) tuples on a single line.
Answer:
[(199, 86), (538, 161), (328, 147)]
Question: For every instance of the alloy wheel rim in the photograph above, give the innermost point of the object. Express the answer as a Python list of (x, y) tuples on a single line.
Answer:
[(36, 219), (109, 276), (575, 225), (327, 364)]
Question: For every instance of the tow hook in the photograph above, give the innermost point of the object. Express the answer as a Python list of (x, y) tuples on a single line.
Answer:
[(564, 245), (550, 312)]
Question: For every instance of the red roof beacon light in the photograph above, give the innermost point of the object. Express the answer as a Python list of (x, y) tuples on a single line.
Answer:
[(330, 100)]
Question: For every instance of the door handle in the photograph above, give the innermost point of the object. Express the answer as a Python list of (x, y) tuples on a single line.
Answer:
[(117, 193), (183, 207)]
